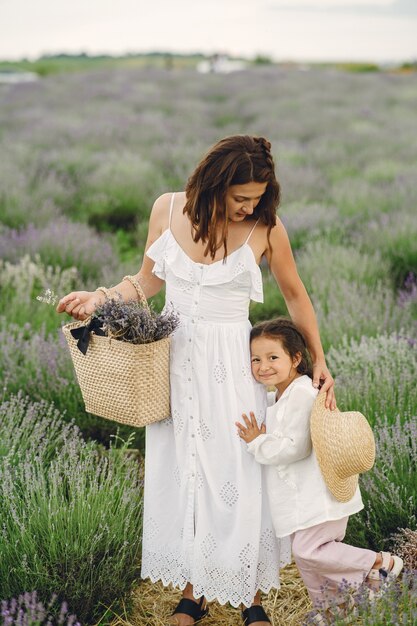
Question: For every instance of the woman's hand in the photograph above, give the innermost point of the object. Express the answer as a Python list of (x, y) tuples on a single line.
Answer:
[(80, 304), (323, 379), (251, 430)]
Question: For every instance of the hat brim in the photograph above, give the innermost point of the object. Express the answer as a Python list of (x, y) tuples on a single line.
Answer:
[(343, 489), (328, 438)]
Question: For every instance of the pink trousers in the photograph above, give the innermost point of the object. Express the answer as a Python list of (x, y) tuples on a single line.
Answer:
[(325, 563)]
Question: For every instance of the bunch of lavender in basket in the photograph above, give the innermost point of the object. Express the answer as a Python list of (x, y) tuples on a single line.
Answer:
[(132, 322)]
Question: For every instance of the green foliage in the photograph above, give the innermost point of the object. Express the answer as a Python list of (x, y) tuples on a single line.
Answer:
[(376, 375), (70, 514), (49, 65), (350, 292), (396, 237), (262, 59), (40, 363), (358, 67), (273, 304), (22, 282), (397, 605), (117, 194), (113, 141), (389, 490)]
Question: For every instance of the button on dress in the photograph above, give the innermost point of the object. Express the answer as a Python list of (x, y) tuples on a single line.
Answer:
[(206, 514)]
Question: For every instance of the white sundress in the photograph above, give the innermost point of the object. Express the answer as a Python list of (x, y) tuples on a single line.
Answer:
[(206, 516)]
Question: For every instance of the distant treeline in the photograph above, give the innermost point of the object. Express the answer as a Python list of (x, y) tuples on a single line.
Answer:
[(63, 62)]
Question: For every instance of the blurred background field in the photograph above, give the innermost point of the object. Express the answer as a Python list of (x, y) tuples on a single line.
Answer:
[(85, 154)]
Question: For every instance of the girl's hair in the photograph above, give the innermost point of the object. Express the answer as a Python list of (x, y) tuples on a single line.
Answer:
[(291, 338), (234, 160)]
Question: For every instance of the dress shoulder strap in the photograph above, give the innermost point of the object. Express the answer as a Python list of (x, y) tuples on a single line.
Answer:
[(170, 209), (251, 231)]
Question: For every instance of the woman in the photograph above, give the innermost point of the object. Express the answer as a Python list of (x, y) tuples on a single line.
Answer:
[(207, 526)]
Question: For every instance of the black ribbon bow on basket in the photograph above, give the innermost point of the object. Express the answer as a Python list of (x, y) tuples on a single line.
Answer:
[(82, 333)]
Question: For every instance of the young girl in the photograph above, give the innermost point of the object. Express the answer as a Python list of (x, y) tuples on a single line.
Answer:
[(301, 504)]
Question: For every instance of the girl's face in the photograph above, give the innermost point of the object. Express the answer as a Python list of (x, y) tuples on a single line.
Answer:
[(271, 365), (241, 200)]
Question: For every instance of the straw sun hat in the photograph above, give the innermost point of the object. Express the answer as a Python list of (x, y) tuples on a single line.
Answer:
[(344, 445)]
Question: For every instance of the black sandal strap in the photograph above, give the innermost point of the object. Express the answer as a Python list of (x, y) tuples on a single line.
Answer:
[(255, 613), (191, 608)]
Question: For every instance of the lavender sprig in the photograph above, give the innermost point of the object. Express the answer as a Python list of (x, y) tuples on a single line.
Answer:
[(48, 297)]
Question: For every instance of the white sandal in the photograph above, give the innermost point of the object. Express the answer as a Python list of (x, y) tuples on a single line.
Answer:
[(384, 575)]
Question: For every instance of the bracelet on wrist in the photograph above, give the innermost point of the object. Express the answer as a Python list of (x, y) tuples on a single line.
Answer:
[(105, 291), (135, 283)]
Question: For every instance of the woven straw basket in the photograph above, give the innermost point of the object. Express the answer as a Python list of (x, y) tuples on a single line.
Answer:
[(124, 382)]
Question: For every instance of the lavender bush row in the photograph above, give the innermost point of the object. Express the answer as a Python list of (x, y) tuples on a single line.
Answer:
[(21, 282), (351, 155), (377, 375), (353, 311), (407, 296), (118, 191), (398, 605), (40, 364), (306, 222), (60, 243), (27, 610), (24, 424), (398, 239), (322, 264), (71, 521), (389, 490)]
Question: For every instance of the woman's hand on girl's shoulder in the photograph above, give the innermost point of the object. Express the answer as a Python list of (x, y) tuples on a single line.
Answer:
[(323, 379)]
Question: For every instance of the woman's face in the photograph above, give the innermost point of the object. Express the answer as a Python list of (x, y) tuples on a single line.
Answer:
[(241, 200)]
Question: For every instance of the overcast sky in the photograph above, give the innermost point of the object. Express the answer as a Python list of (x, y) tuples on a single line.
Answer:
[(375, 30)]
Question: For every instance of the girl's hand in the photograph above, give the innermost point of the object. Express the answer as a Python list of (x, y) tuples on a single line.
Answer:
[(323, 379), (80, 304), (251, 430)]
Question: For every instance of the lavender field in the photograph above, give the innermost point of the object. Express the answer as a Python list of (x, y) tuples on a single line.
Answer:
[(84, 157)]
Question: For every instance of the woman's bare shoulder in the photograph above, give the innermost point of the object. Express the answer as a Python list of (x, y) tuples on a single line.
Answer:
[(276, 236), (162, 204)]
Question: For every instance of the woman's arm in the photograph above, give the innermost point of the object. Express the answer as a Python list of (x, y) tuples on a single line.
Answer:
[(282, 264), (81, 304)]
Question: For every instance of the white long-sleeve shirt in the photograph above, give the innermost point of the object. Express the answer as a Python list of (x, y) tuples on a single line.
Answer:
[(297, 493)]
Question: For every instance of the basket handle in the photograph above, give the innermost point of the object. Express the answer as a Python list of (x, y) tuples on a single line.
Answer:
[(142, 298)]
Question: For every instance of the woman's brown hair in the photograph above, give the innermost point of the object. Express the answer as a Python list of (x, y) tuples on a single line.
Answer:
[(292, 340), (234, 160)]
